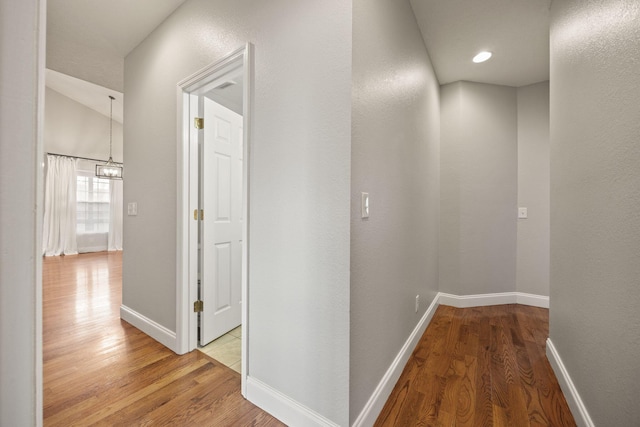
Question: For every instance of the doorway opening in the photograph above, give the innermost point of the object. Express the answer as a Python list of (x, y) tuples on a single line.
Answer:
[(213, 184)]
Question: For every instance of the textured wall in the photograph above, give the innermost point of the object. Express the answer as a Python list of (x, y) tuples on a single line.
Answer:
[(478, 188), (21, 92), (532, 268), (595, 195), (73, 129), (395, 157), (300, 174)]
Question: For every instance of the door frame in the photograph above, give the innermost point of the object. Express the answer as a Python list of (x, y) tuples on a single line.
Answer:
[(187, 199)]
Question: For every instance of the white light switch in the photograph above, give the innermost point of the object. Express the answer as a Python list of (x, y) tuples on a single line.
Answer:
[(522, 213), (132, 209), (365, 205)]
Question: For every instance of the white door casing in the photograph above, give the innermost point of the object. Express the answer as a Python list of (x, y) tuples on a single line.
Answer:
[(188, 91), (221, 225)]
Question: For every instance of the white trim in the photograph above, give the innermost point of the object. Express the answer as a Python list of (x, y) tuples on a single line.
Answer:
[(187, 199), (155, 330), (379, 397), (247, 127), (283, 407), (532, 300), (183, 321), (39, 210), (376, 402), (480, 300), (92, 249), (569, 390)]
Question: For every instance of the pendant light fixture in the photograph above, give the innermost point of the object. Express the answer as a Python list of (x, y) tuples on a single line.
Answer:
[(111, 169)]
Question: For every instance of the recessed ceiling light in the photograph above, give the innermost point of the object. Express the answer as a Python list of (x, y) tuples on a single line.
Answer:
[(482, 56)]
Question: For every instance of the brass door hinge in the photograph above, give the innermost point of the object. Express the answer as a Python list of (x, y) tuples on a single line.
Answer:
[(198, 306), (198, 123), (195, 214)]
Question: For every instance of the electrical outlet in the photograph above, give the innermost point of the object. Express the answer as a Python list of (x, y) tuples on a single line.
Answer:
[(523, 213), (417, 302)]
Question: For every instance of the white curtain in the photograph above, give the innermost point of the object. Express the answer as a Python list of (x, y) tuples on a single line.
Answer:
[(59, 227), (115, 215)]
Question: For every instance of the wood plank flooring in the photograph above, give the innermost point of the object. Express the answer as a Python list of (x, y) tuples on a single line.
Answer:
[(99, 370), (483, 366)]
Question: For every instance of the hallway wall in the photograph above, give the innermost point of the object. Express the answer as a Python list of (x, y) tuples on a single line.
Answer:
[(300, 175), (395, 158), (495, 158), (595, 196), (532, 264), (478, 190), (21, 183)]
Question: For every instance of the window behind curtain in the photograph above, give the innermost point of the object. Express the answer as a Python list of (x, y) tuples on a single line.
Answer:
[(93, 203)]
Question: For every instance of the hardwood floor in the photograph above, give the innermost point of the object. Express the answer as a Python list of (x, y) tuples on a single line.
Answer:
[(99, 370), (483, 366)]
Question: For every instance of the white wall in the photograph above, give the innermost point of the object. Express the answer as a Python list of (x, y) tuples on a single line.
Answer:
[(71, 128), (595, 195), (478, 188), (21, 92), (532, 265), (395, 158), (300, 176)]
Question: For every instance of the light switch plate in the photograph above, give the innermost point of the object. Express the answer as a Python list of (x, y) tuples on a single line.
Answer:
[(132, 209), (365, 205), (522, 213)]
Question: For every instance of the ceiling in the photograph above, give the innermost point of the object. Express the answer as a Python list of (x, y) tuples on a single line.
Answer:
[(116, 26), (88, 94), (89, 39), (229, 93), (516, 31)]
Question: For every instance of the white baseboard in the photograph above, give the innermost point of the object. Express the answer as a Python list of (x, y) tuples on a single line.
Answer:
[(372, 409), (90, 249), (481, 300), (569, 390), (155, 330), (532, 300), (283, 407)]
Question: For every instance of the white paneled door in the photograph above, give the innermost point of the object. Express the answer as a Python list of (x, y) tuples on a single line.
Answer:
[(221, 225)]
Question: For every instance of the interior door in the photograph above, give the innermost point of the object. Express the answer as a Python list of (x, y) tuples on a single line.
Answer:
[(221, 225)]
